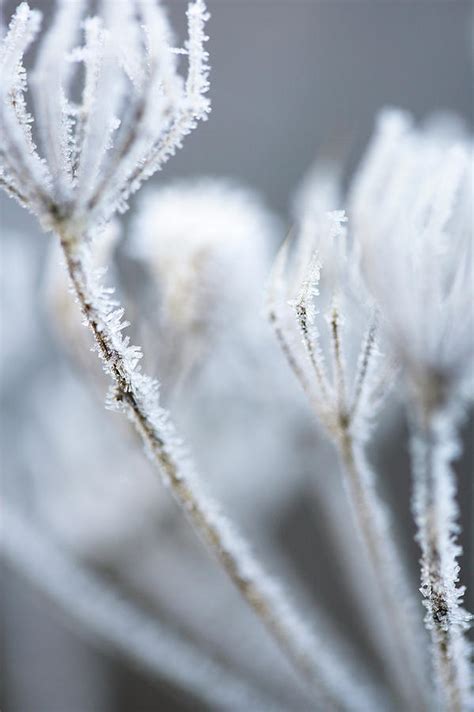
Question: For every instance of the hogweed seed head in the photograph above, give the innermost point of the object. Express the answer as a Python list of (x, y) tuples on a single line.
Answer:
[(195, 237), (133, 111), (411, 208), (204, 246), (338, 357)]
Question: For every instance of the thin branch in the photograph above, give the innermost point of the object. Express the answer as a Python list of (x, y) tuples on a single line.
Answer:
[(338, 361), (370, 516), (13, 192), (373, 524), (275, 296), (120, 623), (367, 351), (136, 396), (311, 349), (434, 445)]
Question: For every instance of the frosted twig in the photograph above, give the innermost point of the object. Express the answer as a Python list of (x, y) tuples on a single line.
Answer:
[(412, 209), (137, 396), (344, 409), (434, 446), (368, 346), (373, 522), (304, 310), (133, 114), (275, 293), (119, 623)]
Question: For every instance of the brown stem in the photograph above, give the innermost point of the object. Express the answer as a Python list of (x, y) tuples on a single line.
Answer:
[(311, 660)]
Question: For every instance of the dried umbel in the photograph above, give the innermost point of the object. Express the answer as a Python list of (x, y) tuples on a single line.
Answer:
[(400, 276), (338, 355), (133, 112), (327, 325), (412, 207)]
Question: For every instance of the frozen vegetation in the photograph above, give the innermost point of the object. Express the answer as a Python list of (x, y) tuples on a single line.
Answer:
[(371, 289)]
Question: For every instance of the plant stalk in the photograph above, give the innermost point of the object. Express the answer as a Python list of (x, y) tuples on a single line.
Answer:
[(313, 661), (434, 444), (371, 520)]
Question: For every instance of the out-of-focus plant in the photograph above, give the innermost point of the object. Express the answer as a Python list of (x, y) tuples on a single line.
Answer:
[(191, 238), (327, 326), (412, 212), (388, 288), (123, 625), (135, 108), (352, 301)]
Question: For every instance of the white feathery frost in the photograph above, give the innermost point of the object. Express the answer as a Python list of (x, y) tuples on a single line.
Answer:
[(327, 324), (64, 317), (133, 111), (390, 282), (317, 285), (412, 207)]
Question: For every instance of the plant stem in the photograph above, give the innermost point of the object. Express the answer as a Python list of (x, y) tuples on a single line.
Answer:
[(120, 624), (371, 520), (313, 660), (434, 445)]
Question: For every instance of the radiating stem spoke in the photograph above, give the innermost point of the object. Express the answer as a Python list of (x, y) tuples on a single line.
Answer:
[(317, 665)]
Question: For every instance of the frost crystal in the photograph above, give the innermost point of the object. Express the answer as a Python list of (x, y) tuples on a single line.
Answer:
[(336, 319), (133, 112), (436, 513), (340, 365), (411, 205)]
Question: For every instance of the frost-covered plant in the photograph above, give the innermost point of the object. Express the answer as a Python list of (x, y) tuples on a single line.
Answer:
[(411, 207), (133, 112), (121, 624), (191, 238), (328, 327), (64, 319)]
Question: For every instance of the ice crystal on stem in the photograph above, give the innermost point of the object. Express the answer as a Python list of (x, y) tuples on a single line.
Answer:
[(136, 395), (328, 327), (412, 210), (411, 206), (134, 111)]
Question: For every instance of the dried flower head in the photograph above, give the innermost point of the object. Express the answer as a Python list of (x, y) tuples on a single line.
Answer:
[(338, 358), (192, 238), (411, 207), (132, 110), (340, 365)]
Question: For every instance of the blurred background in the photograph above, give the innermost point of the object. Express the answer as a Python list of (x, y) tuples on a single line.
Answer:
[(292, 82)]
